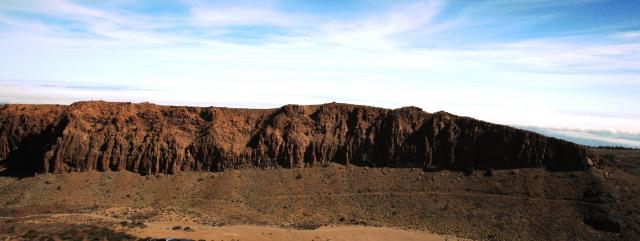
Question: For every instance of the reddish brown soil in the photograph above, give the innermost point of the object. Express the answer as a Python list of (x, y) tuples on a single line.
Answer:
[(522, 204)]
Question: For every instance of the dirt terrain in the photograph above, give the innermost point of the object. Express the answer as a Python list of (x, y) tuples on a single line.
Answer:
[(519, 204)]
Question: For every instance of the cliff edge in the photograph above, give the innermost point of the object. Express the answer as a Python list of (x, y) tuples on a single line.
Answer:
[(147, 138)]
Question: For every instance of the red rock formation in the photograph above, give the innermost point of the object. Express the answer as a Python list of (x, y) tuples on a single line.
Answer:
[(147, 138)]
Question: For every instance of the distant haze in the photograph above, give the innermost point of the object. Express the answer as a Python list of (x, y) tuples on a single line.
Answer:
[(569, 69)]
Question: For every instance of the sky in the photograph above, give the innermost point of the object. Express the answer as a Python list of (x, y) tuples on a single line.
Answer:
[(570, 68)]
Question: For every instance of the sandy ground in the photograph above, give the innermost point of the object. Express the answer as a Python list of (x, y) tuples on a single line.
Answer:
[(249, 233), (166, 228)]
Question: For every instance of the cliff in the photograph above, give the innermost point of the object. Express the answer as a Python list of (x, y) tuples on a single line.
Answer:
[(147, 138)]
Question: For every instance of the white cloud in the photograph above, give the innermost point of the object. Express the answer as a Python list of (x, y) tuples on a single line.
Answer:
[(368, 59), (629, 35), (241, 16), (379, 30), (560, 56), (87, 25), (592, 137)]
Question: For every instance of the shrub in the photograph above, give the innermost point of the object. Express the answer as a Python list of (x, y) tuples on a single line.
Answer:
[(488, 172), (468, 170), (306, 226), (609, 157)]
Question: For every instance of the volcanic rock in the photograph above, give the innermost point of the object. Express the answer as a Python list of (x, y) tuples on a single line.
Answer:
[(147, 138)]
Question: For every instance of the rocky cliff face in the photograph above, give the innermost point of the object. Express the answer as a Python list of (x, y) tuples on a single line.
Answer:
[(147, 138)]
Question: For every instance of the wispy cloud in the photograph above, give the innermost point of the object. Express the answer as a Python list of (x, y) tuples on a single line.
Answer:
[(382, 29), (65, 20), (629, 35), (243, 15), (591, 137)]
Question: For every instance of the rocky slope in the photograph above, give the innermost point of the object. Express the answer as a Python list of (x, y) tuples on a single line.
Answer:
[(147, 138)]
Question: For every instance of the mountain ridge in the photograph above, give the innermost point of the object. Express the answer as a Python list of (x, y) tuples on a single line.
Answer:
[(148, 138)]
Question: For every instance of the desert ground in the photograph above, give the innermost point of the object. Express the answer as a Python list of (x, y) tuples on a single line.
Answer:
[(331, 202)]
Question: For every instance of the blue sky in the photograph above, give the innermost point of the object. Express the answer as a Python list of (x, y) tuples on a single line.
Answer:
[(572, 67)]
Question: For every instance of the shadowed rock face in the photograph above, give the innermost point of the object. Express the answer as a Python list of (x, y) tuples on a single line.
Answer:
[(147, 138)]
